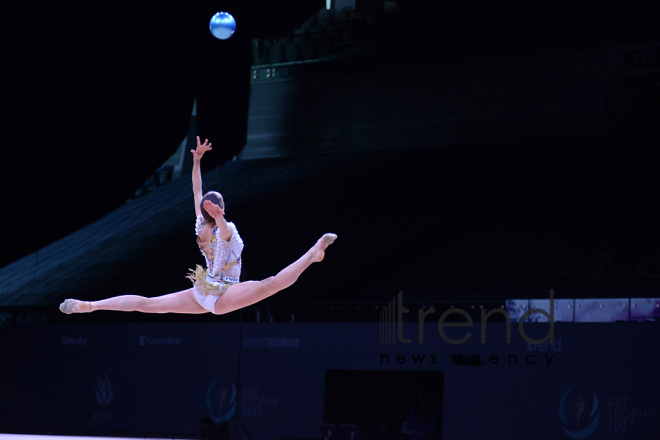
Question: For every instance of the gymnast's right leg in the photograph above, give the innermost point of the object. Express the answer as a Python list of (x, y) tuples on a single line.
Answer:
[(250, 292), (178, 302)]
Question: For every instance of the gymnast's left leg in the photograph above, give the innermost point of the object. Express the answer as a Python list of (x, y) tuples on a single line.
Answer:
[(250, 292), (178, 302)]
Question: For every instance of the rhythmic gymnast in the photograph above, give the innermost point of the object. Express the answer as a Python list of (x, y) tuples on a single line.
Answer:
[(217, 288)]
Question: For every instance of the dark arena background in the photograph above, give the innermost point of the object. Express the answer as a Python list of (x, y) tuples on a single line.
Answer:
[(491, 169)]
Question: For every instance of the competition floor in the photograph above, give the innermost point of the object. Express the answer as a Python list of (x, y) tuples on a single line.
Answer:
[(64, 437)]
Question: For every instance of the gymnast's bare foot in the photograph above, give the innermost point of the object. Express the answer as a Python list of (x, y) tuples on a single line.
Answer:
[(318, 251), (74, 306)]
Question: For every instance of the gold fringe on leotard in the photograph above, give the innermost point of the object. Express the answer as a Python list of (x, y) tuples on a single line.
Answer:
[(206, 287)]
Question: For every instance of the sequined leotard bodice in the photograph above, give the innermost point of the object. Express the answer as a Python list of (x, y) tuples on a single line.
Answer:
[(223, 264)]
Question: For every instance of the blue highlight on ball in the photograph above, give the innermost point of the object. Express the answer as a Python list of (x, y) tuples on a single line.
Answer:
[(222, 25)]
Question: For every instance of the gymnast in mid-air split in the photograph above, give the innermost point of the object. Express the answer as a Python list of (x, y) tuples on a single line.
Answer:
[(217, 288)]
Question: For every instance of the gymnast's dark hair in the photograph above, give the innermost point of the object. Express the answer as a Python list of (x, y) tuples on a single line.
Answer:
[(215, 198)]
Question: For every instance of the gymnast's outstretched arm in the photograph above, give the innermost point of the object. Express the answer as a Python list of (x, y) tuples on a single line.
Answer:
[(197, 173)]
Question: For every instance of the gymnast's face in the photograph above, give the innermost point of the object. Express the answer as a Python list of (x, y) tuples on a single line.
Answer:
[(215, 198)]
